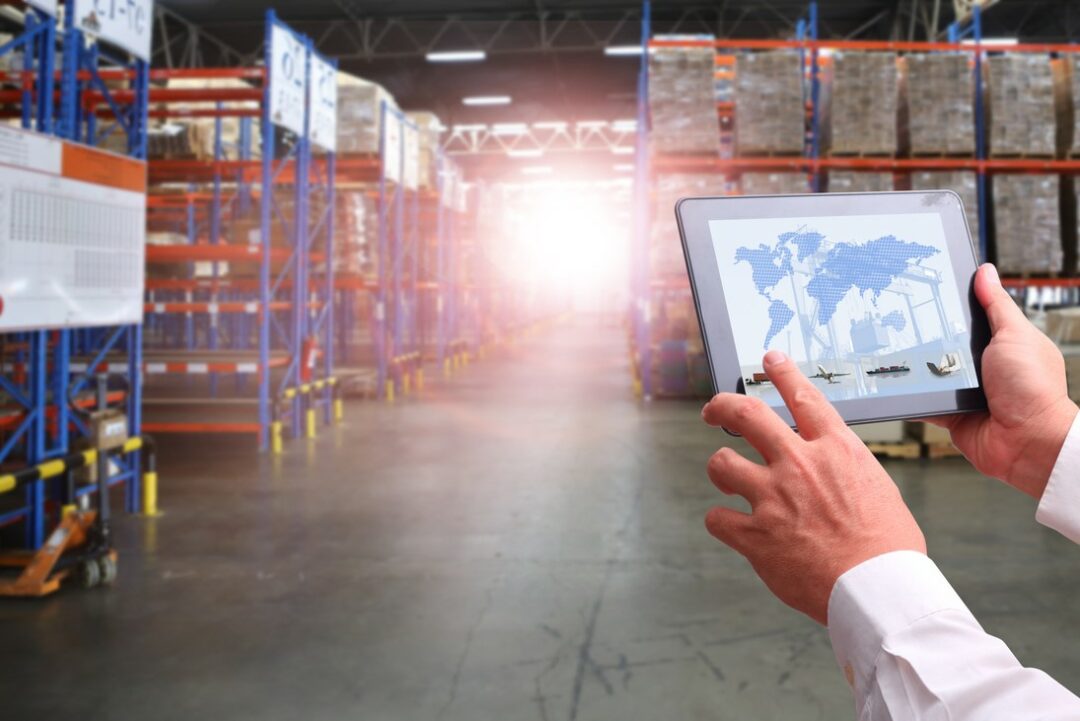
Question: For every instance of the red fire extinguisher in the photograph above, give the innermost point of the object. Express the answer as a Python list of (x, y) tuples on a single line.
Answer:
[(309, 355)]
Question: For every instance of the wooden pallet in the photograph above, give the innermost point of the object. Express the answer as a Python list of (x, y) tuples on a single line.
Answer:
[(943, 154), (934, 451), (1022, 156), (899, 449), (861, 154)]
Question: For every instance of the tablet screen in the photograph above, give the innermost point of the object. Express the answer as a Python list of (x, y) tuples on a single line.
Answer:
[(867, 305)]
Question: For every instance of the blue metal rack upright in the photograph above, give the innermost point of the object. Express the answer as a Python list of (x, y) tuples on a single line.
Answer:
[(83, 89), (25, 377)]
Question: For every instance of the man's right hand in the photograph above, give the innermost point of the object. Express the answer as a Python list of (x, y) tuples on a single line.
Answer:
[(1030, 414)]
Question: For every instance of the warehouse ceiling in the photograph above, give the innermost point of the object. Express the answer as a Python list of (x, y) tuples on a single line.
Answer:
[(548, 54)]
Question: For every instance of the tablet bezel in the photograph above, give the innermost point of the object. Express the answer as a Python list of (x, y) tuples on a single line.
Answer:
[(693, 216)]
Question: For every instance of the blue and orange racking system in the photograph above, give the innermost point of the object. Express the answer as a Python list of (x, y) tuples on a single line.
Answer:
[(808, 43), (51, 372)]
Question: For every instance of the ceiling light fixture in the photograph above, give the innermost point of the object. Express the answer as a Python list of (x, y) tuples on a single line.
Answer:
[(622, 51), (482, 100), (622, 150), (456, 56), (524, 153)]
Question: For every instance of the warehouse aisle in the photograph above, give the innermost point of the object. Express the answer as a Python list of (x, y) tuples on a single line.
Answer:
[(525, 543)]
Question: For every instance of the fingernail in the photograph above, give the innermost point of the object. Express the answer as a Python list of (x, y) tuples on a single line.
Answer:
[(775, 359), (992, 274)]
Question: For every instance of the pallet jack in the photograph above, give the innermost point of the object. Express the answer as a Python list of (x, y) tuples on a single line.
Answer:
[(80, 546)]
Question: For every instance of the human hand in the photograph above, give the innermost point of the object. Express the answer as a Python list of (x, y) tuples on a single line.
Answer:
[(821, 505), (1023, 375)]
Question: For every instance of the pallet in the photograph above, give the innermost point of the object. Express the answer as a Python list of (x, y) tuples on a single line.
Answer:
[(969, 155), (786, 154), (934, 451), (900, 449), (861, 154), (1023, 156)]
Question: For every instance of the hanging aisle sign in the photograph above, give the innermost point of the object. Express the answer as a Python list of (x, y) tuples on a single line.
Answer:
[(411, 172), (288, 79), (46, 6), (322, 101), (391, 144), (128, 24)]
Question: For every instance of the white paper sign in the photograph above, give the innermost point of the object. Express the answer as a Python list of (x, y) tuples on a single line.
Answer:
[(391, 145), (322, 92), (46, 6), (411, 171), (288, 79), (126, 23), (72, 252)]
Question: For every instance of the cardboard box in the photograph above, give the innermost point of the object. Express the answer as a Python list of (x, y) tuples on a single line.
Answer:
[(940, 89), (1028, 224), (682, 100), (770, 114), (1063, 325), (1021, 105), (861, 101), (927, 433)]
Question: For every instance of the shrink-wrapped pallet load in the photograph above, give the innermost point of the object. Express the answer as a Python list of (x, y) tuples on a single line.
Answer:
[(941, 104), (1067, 91), (961, 182), (356, 232), (665, 248), (360, 108), (773, 183), (194, 138), (1027, 224), (430, 129), (770, 113), (1020, 105), (862, 102), (682, 100), (848, 181)]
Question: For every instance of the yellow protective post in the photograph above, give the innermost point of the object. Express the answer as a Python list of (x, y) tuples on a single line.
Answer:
[(71, 508), (390, 391), (446, 369), (311, 425), (419, 379), (150, 494), (406, 383), (339, 410), (276, 446)]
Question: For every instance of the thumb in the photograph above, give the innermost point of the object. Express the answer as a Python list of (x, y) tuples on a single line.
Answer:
[(1000, 309)]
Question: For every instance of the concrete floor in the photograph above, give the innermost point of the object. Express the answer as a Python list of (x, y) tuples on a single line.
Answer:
[(525, 543)]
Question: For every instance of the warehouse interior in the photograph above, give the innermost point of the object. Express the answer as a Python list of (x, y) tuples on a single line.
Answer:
[(356, 373)]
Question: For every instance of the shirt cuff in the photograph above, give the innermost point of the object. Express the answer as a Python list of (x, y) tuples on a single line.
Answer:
[(1059, 507), (878, 598)]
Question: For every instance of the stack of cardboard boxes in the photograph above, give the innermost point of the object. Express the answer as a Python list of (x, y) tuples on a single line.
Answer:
[(770, 112), (682, 100)]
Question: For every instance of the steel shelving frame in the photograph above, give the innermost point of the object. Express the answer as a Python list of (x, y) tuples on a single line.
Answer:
[(46, 381), (278, 324), (811, 161)]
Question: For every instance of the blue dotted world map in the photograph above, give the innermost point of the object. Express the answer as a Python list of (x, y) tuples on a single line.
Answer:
[(867, 267)]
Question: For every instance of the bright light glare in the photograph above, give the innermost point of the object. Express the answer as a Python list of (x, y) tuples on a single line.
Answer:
[(479, 100), (618, 51), (456, 56), (624, 167), (622, 150), (524, 153), (537, 170), (561, 240), (509, 129)]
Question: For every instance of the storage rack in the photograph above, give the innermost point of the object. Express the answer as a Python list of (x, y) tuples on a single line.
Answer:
[(413, 286), (50, 373), (273, 324), (647, 289)]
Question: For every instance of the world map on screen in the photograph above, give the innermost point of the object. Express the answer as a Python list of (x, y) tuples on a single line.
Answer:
[(868, 267)]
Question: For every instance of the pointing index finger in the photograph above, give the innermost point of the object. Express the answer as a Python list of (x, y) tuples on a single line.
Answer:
[(754, 421), (813, 414)]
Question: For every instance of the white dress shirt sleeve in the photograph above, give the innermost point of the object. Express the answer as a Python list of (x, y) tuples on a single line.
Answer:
[(1059, 507), (912, 651)]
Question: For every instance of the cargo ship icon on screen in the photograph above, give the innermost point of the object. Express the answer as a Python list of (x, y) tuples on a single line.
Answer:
[(889, 370), (757, 379)]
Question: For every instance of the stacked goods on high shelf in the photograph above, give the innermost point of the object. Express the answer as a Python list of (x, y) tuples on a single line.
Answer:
[(665, 249), (1062, 325), (1021, 105), (1028, 224), (682, 100), (961, 182), (773, 183), (847, 181), (194, 138), (940, 90), (770, 113), (356, 232), (860, 103), (359, 121), (1068, 87), (430, 128)]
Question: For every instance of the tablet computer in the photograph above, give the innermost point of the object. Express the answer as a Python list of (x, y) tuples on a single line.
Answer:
[(870, 293)]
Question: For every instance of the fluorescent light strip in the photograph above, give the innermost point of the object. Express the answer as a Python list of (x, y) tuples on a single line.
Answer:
[(1000, 42), (456, 56), (622, 51), (622, 150), (478, 100), (551, 125), (509, 129), (524, 153), (624, 167)]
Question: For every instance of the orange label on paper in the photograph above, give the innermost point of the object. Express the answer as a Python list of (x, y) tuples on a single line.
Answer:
[(101, 168)]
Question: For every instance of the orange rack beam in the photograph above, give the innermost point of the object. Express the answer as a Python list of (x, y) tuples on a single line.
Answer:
[(211, 308), (223, 252), (796, 162)]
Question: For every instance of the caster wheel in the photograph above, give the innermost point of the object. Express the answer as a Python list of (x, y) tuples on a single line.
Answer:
[(89, 574), (107, 568)]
